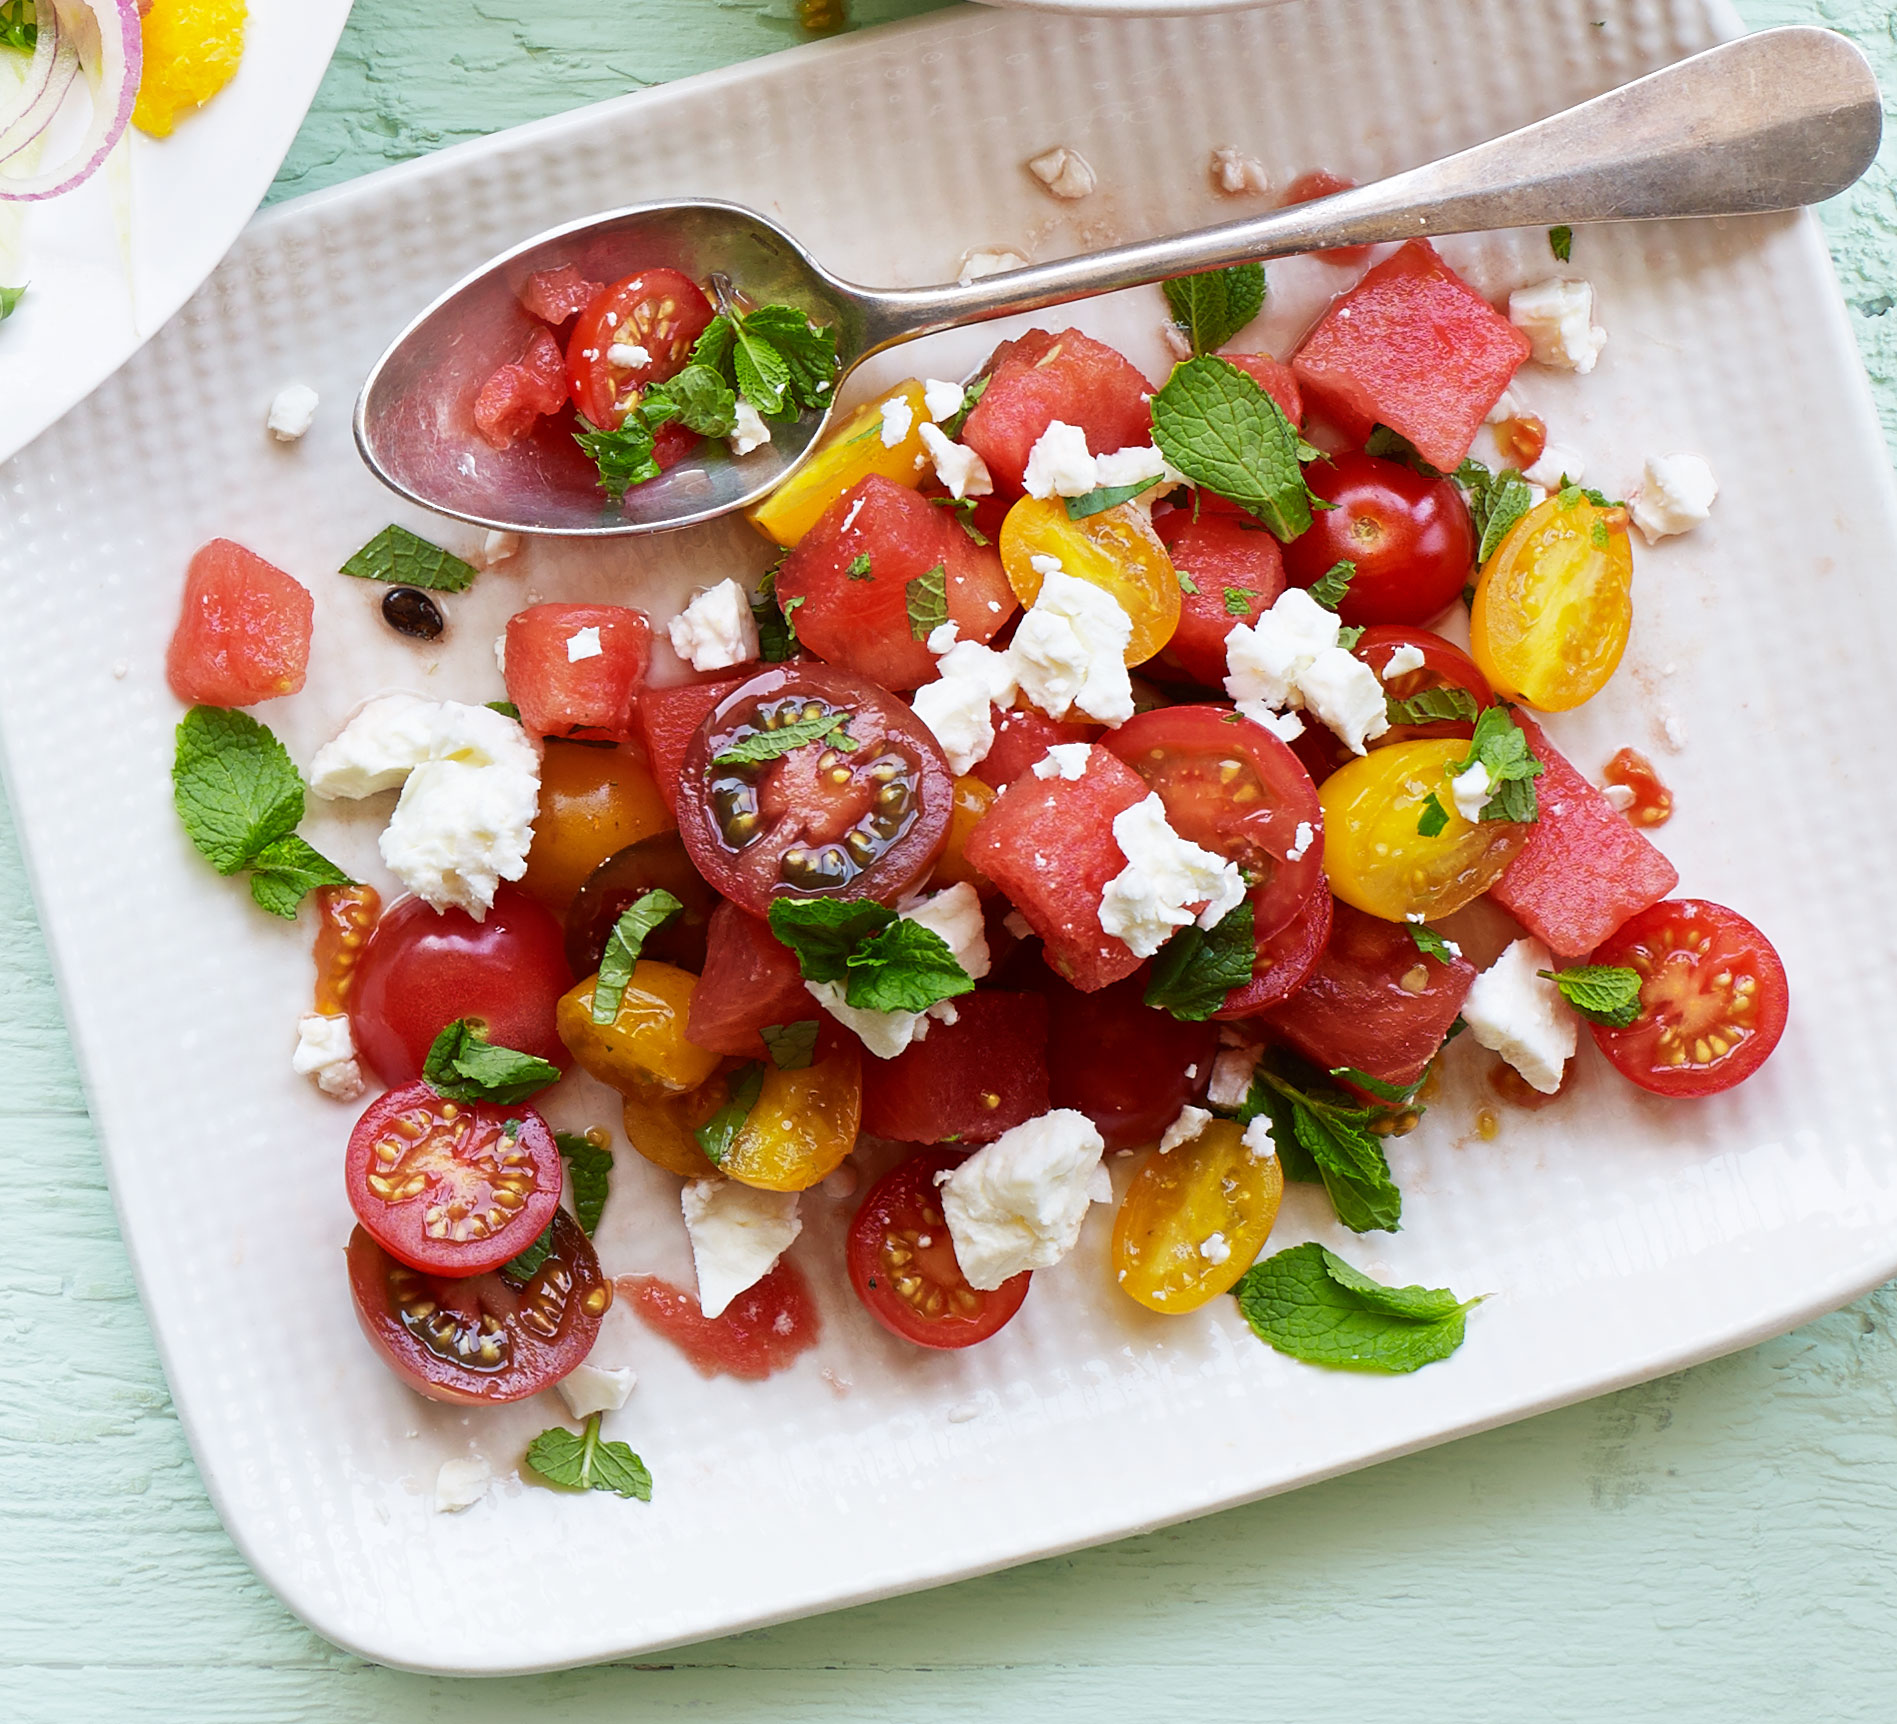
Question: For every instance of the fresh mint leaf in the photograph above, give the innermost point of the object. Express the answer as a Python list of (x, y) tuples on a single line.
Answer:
[(463, 1065), (1601, 993), (1501, 745), (1432, 706), (1388, 445), (1396, 1094), (405, 559), (763, 745), (1104, 497), (286, 870), (1187, 584), (1561, 242), (1330, 587), (1433, 818), (859, 569), (824, 931), (963, 509), (720, 1132), (580, 1461), (506, 708), (1508, 500), (1238, 601), (762, 373), (806, 353), (640, 919), (1218, 428), (1197, 968), (713, 348), (623, 457), (776, 634), (521, 1267), (927, 599), (590, 1166), (1337, 1137), (952, 425), (792, 1047), (1309, 1303), (904, 968), (698, 398), (1212, 308), (1431, 944), (234, 786), (10, 297)]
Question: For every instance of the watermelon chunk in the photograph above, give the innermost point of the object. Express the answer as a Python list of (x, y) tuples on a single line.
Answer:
[(522, 392), (1023, 735), (243, 634), (1414, 347), (554, 295), (966, 1081), (1584, 869), (750, 979), (1070, 377), (576, 670)]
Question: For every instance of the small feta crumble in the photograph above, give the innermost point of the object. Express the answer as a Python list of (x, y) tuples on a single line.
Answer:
[(1214, 1249), (1178, 342), (1044, 565), (1234, 173), (1405, 659), (1620, 797), (1518, 1013), (1018, 925), (583, 644), (1285, 726), (942, 400), (1508, 406), (1231, 1076), (988, 260), (292, 411), (461, 1483), (1070, 651), (1675, 494), (716, 630), (1165, 875), (326, 1051), (958, 707), (955, 914), (962, 1412), (958, 467), (1471, 792), (1129, 466), (750, 432), (1064, 171), (942, 637), (1066, 760), (497, 548), (500, 653), (120, 669), (1344, 692), (737, 1233), (1554, 466), (470, 783), (627, 355), (898, 417), (849, 518), (1191, 1121), (1059, 464), (1259, 1144), (1557, 316), (588, 1389), (1301, 842), (1018, 1203), (1672, 729)]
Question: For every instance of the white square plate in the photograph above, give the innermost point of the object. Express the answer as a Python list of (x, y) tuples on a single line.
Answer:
[(1620, 1236)]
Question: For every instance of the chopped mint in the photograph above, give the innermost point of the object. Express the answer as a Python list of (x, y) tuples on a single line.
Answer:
[(1330, 587), (763, 745), (641, 918), (1561, 242), (1196, 969), (927, 600), (1105, 497), (1433, 818), (589, 1165), (720, 1132)]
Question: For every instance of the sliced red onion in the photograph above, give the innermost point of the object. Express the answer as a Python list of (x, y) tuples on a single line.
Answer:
[(103, 35), (55, 65)]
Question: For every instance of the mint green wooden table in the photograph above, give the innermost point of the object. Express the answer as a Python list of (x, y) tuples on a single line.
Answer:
[(1719, 1545)]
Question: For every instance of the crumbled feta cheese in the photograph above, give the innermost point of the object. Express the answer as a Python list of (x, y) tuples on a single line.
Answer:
[(955, 914), (850, 514), (470, 789), (716, 630), (1178, 342), (1070, 651), (1018, 1203), (1130, 466), (1265, 661), (1234, 173), (1513, 1010), (1620, 797), (1018, 925), (1555, 466), (1214, 1249), (1058, 464), (1301, 842), (1151, 897), (292, 410), (583, 644), (898, 417), (1044, 565), (958, 467), (750, 432), (1558, 318), (942, 637), (1676, 493), (326, 1051), (1672, 729), (500, 652), (988, 260), (958, 706), (588, 1389), (497, 548), (627, 355), (461, 1483), (1191, 1121), (942, 400), (1344, 692), (1405, 659), (1066, 760), (1065, 172), (1285, 726), (1231, 1075), (737, 1233), (1259, 1144), (1471, 791)]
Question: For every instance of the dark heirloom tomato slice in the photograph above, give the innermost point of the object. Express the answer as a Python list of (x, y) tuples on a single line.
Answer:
[(478, 1339), (903, 1267), (658, 312), (1237, 573), (865, 821), (1285, 960), (1233, 787), (658, 863), (1713, 999)]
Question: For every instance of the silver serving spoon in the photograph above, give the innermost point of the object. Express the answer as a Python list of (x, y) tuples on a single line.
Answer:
[(1772, 121)]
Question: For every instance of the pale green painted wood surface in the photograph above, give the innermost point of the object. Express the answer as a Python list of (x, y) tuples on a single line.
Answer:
[(1718, 1545)]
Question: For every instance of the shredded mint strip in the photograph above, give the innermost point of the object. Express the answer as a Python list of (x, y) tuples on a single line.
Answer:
[(1105, 497), (590, 1167), (405, 559), (1326, 1136), (1430, 943), (1433, 817), (641, 919), (1218, 428), (720, 1132), (927, 600), (764, 745), (1212, 308), (1330, 587), (581, 1461), (1309, 1303)]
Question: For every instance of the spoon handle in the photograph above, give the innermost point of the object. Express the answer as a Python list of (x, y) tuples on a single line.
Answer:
[(1772, 121)]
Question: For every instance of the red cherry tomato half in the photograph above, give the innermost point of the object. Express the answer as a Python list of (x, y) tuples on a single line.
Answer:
[(478, 1339), (1285, 960), (1410, 539), (1713, 999), (451, 1187), (423, 968), (903, 1267), (657, 311), (820, 820)]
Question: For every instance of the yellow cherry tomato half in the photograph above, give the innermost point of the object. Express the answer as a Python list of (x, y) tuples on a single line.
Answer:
[(1554, 604), (594, 802), (852, 451), (662, 1127), (802, 1125), (643, 1051), (1376, 857), (1192, 1220), (1115, 550)]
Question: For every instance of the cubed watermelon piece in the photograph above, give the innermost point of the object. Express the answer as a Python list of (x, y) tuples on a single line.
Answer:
[(1048, 843), (668, 719), (1237, 573), (966, 1081), (750, 979), (576, 670), (1023, 735), (243, 634), (1414, 347), (523, 392), (1584, 869), (1070, 377)]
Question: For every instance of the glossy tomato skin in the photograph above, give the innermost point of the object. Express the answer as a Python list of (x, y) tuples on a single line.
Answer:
[(424, 968), (1713, 999), (856, 615), (243, 632), (658, 863), (902, 1262), (1039, 378), (451, 1188), (659, 310), (817, 821), (1373, 1001), (1284, 961), (1319, 183), (589, 696), (522, 392), (759, 1332), (966, 1081), (751, 980), (1409, 538), (478, 1340), (668, 718), (1237, 569), (1023, 735), (594, 802), (554, 295)]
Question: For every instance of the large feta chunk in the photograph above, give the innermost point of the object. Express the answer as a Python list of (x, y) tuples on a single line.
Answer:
[(1345, 694), (955, 914), (1131, 466), (1557, 316), (958, 707), (292, 412), (958, 467), (1265, 661), (1515, 1011), (1059, 464), (716, 630), (326, 1051), (1676, 493), (1018, 1203), (897, 416), (1070, 651), (588, 1389), (583, 644), (376, 750), (1165, 876), (737, 1233)]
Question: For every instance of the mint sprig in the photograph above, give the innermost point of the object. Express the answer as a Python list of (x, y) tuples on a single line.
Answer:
[(1210, 309), (1601, 993), (885, 962), (1501, 745), (639, 920), (1197, 968), (406, 559), (1325, 1136), (1309, 1303), (463, 1065), (775, 357), (581, 1461), (1221, 430)]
